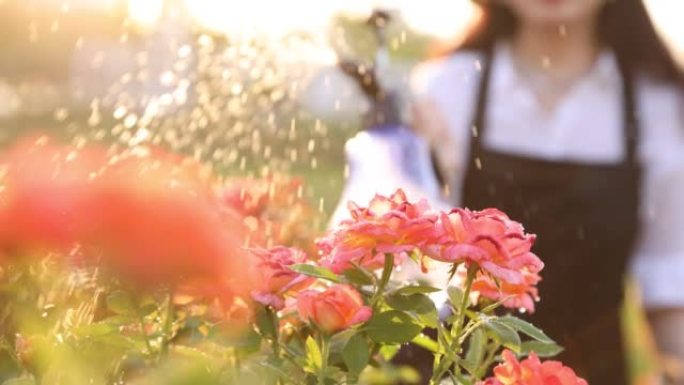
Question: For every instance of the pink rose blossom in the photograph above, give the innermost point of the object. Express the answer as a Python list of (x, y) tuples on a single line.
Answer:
[(388, 225), (334, 309), (515, 296), (532, 371), (274, 276), (489, 238)]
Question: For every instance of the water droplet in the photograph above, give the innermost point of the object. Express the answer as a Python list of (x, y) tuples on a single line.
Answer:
[(119, 112)]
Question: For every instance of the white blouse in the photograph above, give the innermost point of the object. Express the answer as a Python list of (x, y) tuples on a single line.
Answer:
[(585, 126)]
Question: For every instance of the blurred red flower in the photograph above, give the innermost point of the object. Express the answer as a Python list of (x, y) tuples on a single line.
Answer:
[(45, 187), (151, 216), (273, 210)]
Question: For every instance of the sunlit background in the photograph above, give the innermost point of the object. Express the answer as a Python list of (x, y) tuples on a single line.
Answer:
[(249, 87)]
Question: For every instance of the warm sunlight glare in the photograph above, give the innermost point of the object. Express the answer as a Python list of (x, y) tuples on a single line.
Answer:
[(668, 17), (439, 18), (145, 12), (260, 17)]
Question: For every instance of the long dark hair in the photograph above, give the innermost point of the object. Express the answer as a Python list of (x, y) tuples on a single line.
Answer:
[(624, 26)]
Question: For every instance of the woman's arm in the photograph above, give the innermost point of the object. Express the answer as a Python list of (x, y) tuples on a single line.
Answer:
[(668, 330), (659, 261)]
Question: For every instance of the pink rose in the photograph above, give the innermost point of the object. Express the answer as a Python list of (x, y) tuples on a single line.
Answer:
[(532, 371), (489, 238), (388, 225), (274, 276), (515, 296), (334, 309)]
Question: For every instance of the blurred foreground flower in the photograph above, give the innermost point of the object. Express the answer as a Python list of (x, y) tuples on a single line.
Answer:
[(150, 216), (273, 210)]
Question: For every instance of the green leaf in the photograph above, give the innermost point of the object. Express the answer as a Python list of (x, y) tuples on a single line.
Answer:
[(266, 323), (504, 334), (393, 327), (147, 306), (476, 351), (525, 328), (420, 304), (387, 352), (410, 302), (455, 295), (96, 330), (426, 343), (493, 306), (358, 276), (121, 341), (248, 342), (313, 355), (120, 303), (190, 352), (443, 335), (356, 354), (543, 349), (340, 339), (20, 381), (408, 290), (315, 271)]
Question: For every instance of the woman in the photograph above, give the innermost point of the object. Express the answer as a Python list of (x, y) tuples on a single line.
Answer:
[(569, 116)]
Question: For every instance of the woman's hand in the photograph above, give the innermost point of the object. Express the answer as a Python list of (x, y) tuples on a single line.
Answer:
[(384, 105)]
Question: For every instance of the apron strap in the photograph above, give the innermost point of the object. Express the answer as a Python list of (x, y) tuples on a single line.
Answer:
[(631, 124), (629, 111), (479, 122)]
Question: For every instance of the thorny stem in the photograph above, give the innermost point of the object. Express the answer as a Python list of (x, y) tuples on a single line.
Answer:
[(384, 279), (141, 321), (325, 353), (457, 328), (470, 328), (166, 329), (275, 343)]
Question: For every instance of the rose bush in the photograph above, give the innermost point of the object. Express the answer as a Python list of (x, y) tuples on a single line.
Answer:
[(490, 253), (194, 289)]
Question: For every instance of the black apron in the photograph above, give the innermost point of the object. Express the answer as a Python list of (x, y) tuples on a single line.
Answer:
[(586, 220)]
